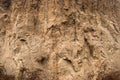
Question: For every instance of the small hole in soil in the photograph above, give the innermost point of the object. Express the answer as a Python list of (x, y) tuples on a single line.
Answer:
[(69, 61), (42, 60), (22, 40), (66, 9), (89, 30)]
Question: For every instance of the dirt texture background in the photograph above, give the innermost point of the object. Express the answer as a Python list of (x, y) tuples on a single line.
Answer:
[(59, 39)]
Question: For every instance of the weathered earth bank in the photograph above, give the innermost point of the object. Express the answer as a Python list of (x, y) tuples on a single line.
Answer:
[(59, 39)]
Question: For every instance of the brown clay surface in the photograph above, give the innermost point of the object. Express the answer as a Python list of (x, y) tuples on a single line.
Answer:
[(59, 39)]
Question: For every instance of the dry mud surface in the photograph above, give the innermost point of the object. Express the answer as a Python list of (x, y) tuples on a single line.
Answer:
[(59, 39)]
